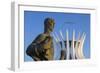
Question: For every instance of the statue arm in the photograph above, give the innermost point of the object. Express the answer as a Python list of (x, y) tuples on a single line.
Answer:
[(39, 39), (32, 49)]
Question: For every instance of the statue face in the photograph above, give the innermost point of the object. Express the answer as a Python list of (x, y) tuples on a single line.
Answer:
[(49, 24)]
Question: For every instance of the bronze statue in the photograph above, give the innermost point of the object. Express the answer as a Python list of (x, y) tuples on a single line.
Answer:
[(42, 47)]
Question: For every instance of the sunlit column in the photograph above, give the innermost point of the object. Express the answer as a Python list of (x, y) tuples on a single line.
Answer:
[(77, 46), (67, 44), (72, 47), (80, 49), (62, 40)]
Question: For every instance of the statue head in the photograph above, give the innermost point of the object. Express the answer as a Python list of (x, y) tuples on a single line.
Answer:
[(48, 25)]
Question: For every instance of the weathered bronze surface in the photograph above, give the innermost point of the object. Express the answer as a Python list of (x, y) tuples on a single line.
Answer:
[(42, 47)]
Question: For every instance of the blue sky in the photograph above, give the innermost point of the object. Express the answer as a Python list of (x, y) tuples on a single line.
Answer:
[(34, 25)]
